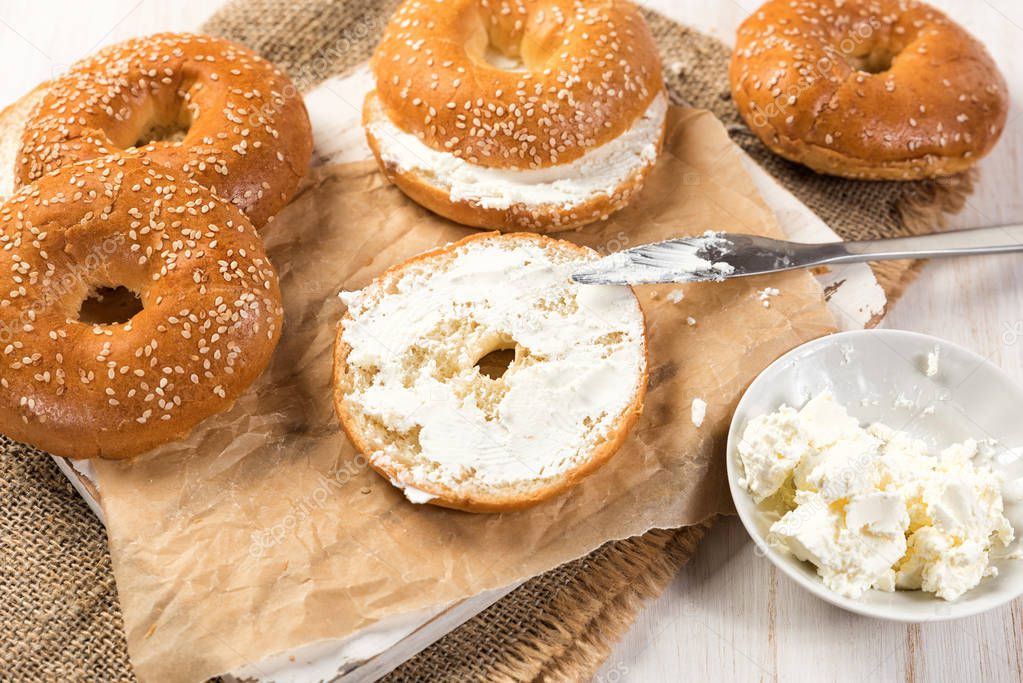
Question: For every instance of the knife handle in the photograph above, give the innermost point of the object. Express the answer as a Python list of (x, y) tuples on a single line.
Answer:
[(998, 239)]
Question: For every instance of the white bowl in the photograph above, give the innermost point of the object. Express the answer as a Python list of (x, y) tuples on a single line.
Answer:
[(875, 374)]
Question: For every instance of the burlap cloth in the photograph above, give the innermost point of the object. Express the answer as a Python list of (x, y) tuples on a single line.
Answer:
[(59, 615)]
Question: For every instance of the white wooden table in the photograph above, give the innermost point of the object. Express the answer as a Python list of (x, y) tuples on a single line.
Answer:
[(728, 615)]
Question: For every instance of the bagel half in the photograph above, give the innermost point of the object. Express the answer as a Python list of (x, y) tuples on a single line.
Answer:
[(539, 115), (411, 391), (548, 199)]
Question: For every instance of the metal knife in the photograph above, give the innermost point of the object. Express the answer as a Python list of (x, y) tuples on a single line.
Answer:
[(724, 255)]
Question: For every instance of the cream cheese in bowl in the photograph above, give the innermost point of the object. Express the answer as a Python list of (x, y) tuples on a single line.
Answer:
[(881, 470), (874, 507)]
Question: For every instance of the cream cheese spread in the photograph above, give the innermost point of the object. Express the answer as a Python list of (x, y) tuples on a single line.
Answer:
[(874, 507), (687, 261), (932, 362), (698, 412), (599, 171), (581, 361)]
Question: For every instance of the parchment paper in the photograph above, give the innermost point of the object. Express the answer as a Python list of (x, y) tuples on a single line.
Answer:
[(265, 530)]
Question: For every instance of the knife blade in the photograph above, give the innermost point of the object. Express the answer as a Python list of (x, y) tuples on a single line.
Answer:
[(713, 256), (716, 256)]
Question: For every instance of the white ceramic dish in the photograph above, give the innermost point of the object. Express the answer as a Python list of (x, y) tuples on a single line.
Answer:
[(880, 375)]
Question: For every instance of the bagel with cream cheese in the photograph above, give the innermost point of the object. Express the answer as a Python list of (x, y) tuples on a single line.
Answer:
[(539, 115), (416, 392)]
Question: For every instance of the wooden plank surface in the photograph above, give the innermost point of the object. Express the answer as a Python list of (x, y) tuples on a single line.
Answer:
[(729, 615)]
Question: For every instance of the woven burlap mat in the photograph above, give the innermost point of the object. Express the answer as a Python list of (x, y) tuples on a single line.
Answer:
[(58, 602)]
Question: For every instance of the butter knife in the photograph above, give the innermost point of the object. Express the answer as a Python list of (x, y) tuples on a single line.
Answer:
[(715, 256)]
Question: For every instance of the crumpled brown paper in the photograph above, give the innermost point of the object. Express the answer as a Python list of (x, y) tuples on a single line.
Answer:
[(265, 530)]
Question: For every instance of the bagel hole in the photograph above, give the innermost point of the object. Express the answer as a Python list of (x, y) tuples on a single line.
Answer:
[(173, 133), (109, 306), (496, 363), (167, 122), (499, 60), (877, 61), (486, 44)]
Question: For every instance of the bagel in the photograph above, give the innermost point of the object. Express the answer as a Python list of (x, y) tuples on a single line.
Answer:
[(871, 89), (12, 123), (204, 107), (411, 383), (210, 320), (540, 115)]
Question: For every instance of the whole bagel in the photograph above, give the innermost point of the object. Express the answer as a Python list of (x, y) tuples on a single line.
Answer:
[(208, 109), (210, 320), (505, 114), (874, 89)]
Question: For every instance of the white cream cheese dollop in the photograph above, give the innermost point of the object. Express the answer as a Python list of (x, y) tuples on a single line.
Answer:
[(698, 412), (599, 170), (873, 507), (583, 359)]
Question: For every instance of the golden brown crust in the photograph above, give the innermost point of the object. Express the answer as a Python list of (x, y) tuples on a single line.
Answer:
[(12, 124), (872, 89), (542, 218), (210, 321), (590, 70), (248, 135), (482, 502)]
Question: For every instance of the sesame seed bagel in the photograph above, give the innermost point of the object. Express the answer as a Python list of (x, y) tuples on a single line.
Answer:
[(12, 124), (418, 391), (506, 114), (210, 320), (205, 107), (871, 89)]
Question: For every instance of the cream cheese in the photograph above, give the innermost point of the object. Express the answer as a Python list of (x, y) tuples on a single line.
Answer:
[(689, 262), (698, 412), (873, 507), (417, 496), (585, 352), (599, 171), (933, 358)]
